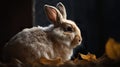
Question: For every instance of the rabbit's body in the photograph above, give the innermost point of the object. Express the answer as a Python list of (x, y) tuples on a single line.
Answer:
[(56, 40), (33, 43)]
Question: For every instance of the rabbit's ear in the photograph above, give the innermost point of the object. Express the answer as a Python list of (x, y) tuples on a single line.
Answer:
[(53, 14), (62, 9)]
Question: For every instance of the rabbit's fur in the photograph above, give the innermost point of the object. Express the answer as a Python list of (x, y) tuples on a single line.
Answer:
[(55, 40)]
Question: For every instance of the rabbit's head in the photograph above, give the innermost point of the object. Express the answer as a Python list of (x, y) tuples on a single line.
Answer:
[(65, 31)]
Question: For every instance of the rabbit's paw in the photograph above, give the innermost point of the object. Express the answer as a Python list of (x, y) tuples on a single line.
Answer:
[(57, 61)]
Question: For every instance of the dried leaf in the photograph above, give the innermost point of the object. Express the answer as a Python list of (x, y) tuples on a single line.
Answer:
[(76, 60), (113, 49), (88, 57)]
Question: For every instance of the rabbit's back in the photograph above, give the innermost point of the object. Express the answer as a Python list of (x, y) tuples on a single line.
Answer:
[(28, 45)]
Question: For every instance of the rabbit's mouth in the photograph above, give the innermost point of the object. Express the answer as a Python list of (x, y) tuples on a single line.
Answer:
[(74, 46)]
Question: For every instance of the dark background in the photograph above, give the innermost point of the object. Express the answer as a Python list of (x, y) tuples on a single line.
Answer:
[(97, 19)]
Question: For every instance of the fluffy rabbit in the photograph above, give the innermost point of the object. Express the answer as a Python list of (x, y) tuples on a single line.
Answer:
[(55, 40)]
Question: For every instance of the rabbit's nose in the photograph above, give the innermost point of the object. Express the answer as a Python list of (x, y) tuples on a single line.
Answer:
[(80, 39)]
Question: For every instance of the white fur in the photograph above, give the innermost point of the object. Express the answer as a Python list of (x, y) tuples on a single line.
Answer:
[(29, 29), (47, 28)]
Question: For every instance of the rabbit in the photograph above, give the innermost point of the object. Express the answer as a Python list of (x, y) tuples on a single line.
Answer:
[(53, 41)]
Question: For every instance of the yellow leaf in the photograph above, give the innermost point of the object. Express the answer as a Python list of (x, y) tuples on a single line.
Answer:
[(113, 49), (88, 57)]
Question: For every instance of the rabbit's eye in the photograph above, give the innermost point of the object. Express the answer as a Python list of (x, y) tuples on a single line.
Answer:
[(69, 29)]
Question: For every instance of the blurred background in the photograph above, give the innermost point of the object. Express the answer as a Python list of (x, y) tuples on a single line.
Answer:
[(97, 19)]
